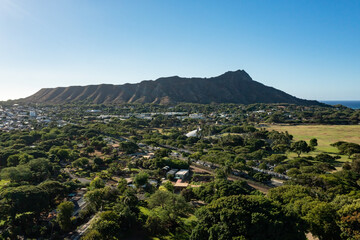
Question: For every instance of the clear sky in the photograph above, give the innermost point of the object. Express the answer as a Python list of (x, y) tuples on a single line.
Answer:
[(310, 49)]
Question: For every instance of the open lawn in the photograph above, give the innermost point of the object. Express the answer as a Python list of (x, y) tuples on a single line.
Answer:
[(325, 134)]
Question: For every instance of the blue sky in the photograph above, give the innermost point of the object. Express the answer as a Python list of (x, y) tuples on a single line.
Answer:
[(310, 49)]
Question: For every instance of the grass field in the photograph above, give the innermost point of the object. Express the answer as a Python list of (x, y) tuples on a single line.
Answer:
[(325, 134)]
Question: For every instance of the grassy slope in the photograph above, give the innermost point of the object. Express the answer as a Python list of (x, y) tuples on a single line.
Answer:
[(325, 134)]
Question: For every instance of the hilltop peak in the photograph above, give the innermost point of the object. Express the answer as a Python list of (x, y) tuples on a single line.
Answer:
[(230, 87)]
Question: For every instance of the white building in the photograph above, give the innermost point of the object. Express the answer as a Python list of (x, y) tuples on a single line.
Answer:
[(194, 133), (196, 116), (182, 174)]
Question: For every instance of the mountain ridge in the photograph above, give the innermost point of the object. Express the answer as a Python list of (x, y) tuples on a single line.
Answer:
[(230, 87)]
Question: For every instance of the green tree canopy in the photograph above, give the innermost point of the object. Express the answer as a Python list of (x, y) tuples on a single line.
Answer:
[(300, 147), (97, 183), (245, 217), (64, 213), (141, 179)]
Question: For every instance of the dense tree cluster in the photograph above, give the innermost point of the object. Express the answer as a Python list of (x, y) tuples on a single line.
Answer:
[(245, 217), (120, 164)]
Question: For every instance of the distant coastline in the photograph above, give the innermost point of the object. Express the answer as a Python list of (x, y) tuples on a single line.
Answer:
[(350, 104)]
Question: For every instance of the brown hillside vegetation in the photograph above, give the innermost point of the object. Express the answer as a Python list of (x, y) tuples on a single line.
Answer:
[(231, 87)]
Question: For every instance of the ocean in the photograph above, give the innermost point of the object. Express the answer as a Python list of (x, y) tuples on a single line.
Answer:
[(350, 104)]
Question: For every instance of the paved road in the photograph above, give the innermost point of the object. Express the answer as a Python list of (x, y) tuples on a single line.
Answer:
[(272, 173), (82, 229), (82, 180), (262, 188)]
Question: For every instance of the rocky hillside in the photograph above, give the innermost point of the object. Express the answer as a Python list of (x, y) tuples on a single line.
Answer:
[(231, 87)]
